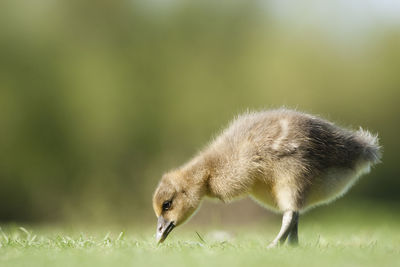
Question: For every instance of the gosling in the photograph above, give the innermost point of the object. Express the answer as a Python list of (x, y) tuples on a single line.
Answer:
[(285, 160)]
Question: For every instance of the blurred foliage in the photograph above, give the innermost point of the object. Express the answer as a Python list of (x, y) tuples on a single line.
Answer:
[(98, 98)]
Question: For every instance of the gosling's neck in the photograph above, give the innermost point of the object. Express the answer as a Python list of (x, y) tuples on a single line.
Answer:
[(199, 171)]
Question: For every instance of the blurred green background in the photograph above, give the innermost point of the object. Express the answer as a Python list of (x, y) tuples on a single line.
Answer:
[(99, 98)]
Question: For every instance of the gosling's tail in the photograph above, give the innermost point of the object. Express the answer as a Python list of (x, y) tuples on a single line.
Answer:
[(372, 149)]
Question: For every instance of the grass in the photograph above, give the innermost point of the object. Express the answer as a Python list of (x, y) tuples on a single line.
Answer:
[(350, 236)]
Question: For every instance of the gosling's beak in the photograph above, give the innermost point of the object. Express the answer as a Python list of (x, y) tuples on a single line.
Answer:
[(164, 227)]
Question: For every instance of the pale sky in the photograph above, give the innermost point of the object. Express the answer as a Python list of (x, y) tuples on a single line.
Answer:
[(364, 12), (351, 12)]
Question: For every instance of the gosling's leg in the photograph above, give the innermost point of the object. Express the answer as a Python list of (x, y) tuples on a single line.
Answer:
[(289, 221), (293, 238)]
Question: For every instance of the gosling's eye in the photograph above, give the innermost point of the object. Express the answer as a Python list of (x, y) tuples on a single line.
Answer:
[(166, 205)]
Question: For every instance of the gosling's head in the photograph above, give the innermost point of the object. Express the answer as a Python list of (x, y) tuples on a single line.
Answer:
[(175, 200)]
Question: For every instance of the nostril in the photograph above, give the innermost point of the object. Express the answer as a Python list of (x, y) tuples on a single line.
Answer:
[(159, 229)]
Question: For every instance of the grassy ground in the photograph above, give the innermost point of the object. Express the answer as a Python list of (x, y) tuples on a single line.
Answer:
[(350, 236)]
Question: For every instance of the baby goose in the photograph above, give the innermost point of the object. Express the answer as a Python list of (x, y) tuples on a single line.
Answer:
[(286, 160)]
